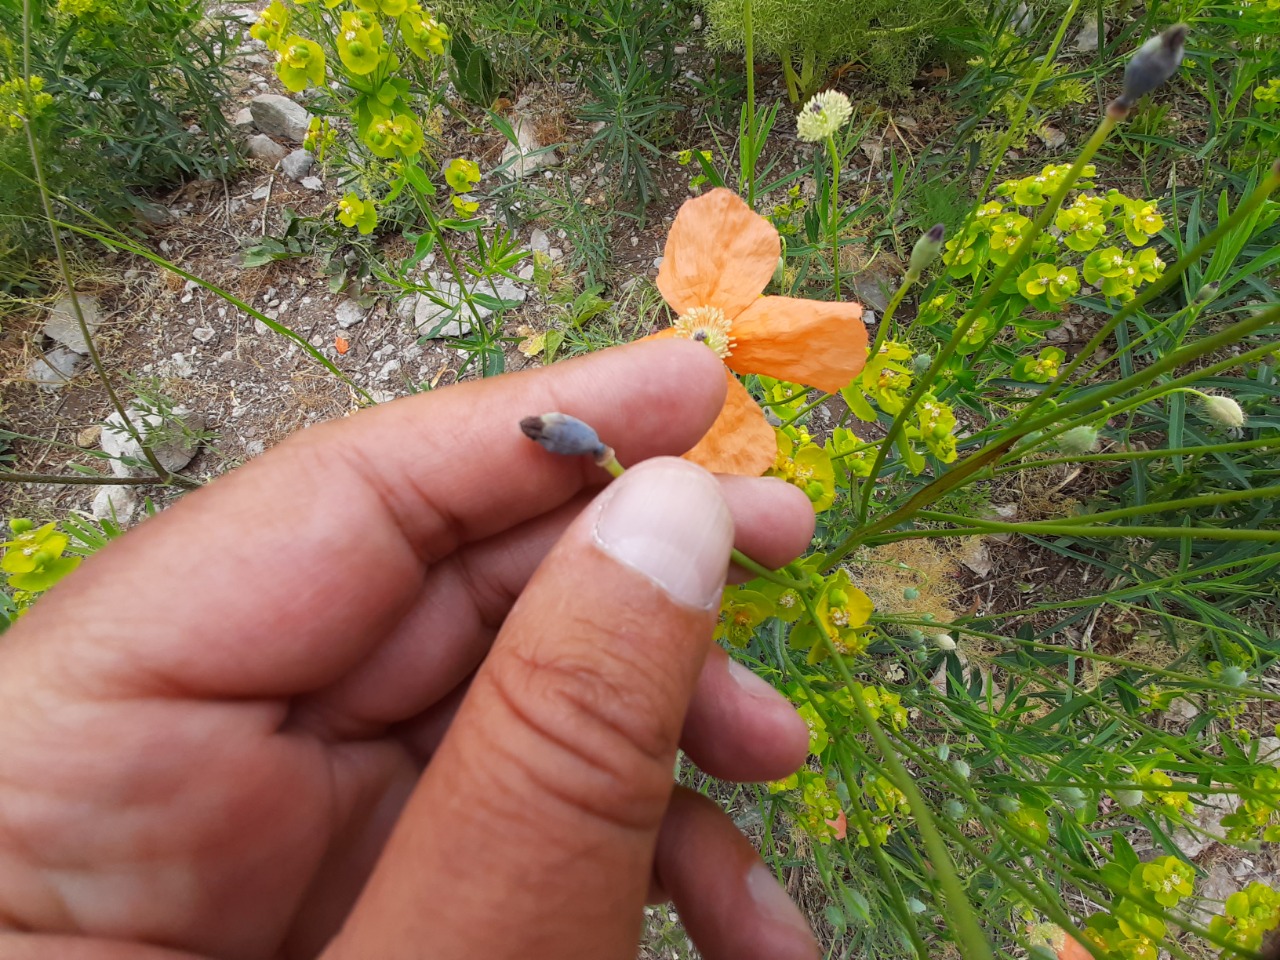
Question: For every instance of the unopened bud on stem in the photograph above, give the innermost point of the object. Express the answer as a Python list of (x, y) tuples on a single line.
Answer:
[(1208, 293), (565, 435), (926, 250), (1155, 62)]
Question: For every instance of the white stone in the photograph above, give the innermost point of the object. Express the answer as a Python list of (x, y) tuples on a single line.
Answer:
[(254, 448), (174, 450), (527, 155), (262, 147), (539, 242), (431, 310), (297, 164), (62, 326), (260, 193), (1086, 38), (204, 334), (55, 369), (279, 116), (312, 183), (243, 120), (389, 369), (115, 502), (349, 313)]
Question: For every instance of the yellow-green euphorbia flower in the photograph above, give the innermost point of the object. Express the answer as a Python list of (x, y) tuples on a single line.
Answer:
[(390, 136), (271, 25), (360, 42), (300, 62), (462, 174), (354, 212), (422, 33)]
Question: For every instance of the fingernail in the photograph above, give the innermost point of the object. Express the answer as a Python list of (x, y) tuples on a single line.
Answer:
[(667, 520), (772, 901)]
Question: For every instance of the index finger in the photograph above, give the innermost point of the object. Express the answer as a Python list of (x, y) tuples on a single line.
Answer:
[(284, 573)]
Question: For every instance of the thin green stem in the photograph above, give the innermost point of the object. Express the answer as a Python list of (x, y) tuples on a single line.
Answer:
[(7, 476), (95, 358), (1127, 455), (835, 210)]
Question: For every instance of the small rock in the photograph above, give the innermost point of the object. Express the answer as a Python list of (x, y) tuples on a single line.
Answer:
[(204, 334), (115, 502), (279, 116), (349, 313), (1053, 138), (174, 449), (62, 326), (55, 369), (873, 287), (442, 313), (539, 242), (297, 164), (255, 448), (260, 193), (155, 214), (526, 272), (88, 437), (180, 366), (527, 155), (243, 120), (1086, 38), (262, 147), (389, 369), (312, 183), (976, 557)]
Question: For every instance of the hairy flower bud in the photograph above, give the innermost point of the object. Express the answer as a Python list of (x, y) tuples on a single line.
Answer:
[(1153, 64), (563, 434), (1208, 293), (1225, 412), (1234, 675), (944, 641), (1078, 440), (926, 250), (960, 768)]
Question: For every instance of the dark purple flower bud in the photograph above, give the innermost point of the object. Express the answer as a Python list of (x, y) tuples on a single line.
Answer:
[(563, 434), (1155, 62)]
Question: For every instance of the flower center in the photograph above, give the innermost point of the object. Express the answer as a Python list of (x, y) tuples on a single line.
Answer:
[(710, 326)]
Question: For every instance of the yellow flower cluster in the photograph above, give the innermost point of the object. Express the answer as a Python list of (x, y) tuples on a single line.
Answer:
[(19, 102)]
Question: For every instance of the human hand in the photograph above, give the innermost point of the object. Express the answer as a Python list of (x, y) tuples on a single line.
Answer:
[(326, 706)]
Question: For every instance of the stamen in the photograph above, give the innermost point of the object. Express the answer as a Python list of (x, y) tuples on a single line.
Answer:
[(707, 325)]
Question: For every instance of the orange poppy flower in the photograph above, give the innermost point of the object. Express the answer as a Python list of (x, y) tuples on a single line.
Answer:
[(720, 256)]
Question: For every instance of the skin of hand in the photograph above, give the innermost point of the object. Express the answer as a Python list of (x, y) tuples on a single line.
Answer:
[(407, 686)]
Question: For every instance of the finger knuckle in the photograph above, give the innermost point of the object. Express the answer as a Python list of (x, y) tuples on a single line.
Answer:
[(603, 725)]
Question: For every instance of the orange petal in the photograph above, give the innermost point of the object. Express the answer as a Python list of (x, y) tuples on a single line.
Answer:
[(819, 344), (741, 440), (719, 253)]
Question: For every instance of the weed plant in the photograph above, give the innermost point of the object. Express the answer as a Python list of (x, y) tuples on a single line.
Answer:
[(124, 96)]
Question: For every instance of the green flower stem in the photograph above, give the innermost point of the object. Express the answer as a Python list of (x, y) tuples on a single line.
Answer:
[(7, 476), (464, 291), (822, 398), (1242, 213), (1089, 407), (1125, 455), (1066, 529), (963, 919), (1166, 506), (608, 461), (882, 329), (984, 301), (99, 368), (748, 26), (835, 210)]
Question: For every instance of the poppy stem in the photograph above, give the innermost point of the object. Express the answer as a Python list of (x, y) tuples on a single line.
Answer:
[(882, 329), (607, 460)]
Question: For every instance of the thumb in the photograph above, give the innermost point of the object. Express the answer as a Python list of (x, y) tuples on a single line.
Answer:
[(532, 832)]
